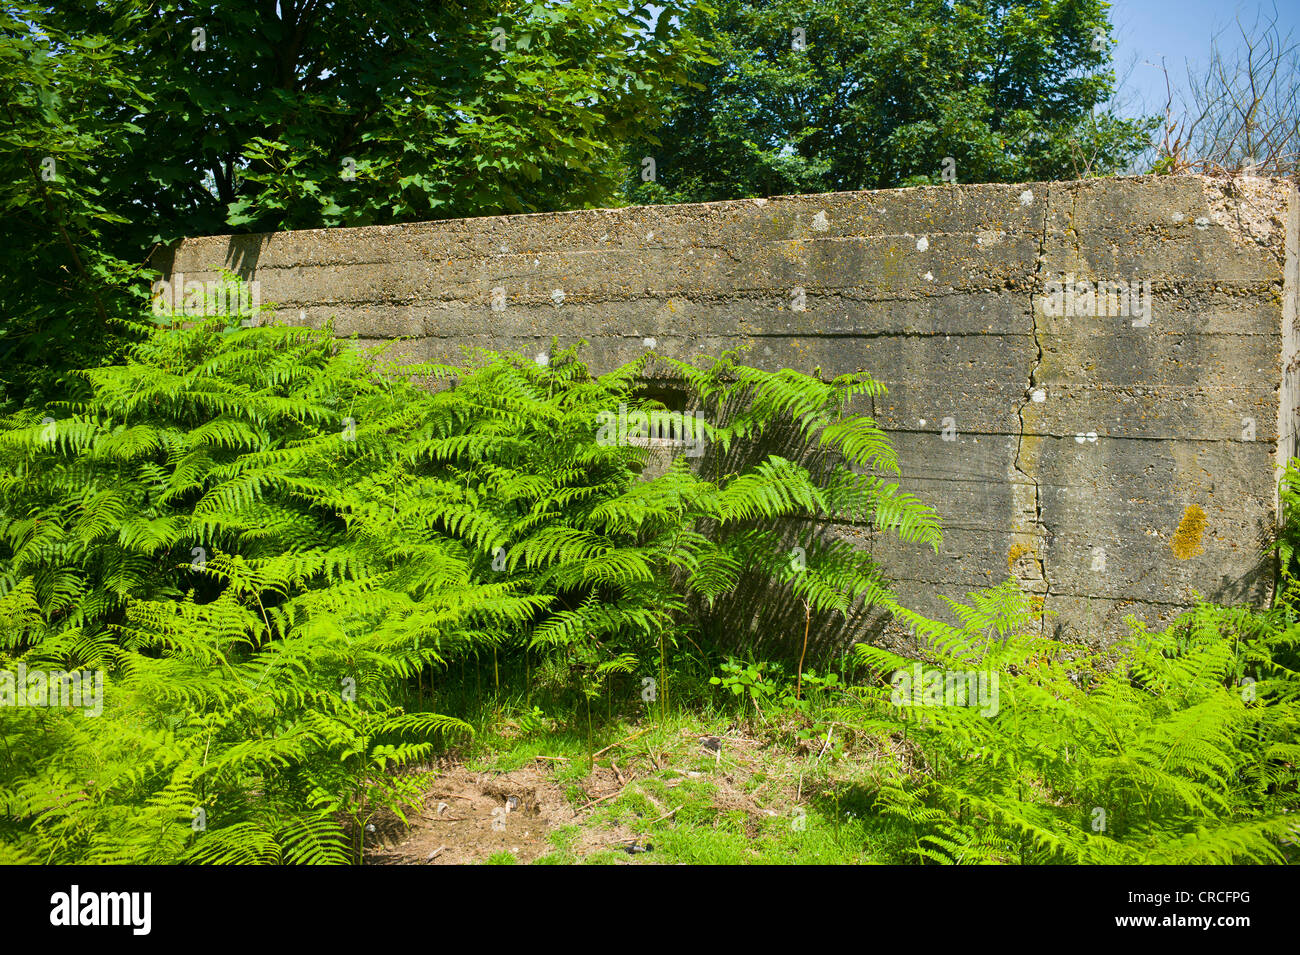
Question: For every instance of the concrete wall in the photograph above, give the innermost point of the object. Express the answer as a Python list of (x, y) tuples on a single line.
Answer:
[(1116, 464)]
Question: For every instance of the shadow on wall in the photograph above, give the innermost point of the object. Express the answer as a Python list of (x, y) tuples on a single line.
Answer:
[(1256, 585), (243, 253), (768, 621), (762, 616)]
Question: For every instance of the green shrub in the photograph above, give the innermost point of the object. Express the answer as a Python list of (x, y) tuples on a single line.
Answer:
[(262, 535)]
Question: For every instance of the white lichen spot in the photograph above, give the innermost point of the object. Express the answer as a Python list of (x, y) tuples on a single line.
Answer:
[(1177, 217), (820, 223), (558, 296), (1202, 223), (929, 276), (650, 343), (922, 244), (542, 359), (1027, 197), (1038, 395)]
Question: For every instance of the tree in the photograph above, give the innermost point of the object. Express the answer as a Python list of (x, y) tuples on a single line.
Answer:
[(58, 297), (179, 118), (306, 113), (826, 95)]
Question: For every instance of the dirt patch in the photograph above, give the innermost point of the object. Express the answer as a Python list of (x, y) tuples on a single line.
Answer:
[(467, 817)]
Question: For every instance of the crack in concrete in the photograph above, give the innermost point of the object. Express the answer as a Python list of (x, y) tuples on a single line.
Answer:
[(1038, 530)]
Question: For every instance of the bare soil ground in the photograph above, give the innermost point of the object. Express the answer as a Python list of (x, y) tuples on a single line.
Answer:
[(467, 816)]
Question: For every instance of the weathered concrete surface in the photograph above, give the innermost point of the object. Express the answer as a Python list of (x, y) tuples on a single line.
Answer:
[(1066, 448)]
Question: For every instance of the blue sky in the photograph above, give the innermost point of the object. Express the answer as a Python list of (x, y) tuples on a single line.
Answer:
[(1180, 30)]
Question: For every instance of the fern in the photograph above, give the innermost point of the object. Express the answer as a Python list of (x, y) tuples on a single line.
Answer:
[(263, 536), (1154, 751)]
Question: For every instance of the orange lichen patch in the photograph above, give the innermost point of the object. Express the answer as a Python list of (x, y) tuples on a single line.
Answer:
[(1015, 553), (1187, 539)]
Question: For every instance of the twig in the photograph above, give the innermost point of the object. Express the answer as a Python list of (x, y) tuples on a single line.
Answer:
[(807, 622), (557, 759), (616, 792), (829, 731), (668, 815), (621, 742)]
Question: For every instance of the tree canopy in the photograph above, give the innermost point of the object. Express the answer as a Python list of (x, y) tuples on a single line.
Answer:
[(831, 95)]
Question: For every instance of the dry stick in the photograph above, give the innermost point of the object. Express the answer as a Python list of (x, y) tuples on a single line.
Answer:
[(621, 742), (668, 815), (734, 739), (617, 792), (829, 731), (807, 622)]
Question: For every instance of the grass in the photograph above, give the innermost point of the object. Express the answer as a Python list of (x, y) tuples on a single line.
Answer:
[(760, 799), (742, 772)]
